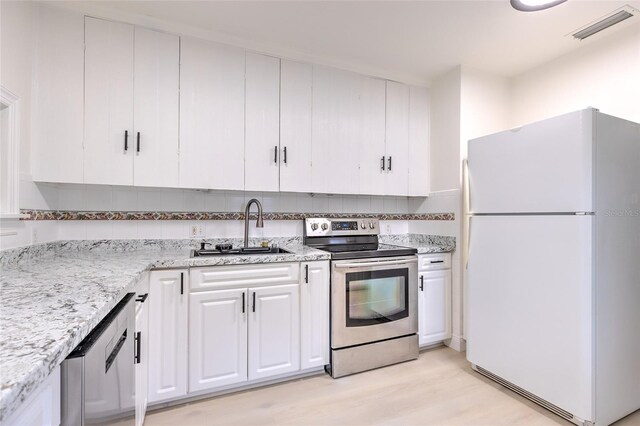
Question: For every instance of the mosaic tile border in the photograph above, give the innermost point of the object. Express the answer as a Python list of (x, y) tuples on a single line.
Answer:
[(141, 215)]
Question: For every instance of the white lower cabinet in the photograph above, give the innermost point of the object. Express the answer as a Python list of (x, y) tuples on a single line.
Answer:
[(168, 335), (142, 349), (434, 300), (217, 338), (242, 324), (274, 331), (314, 314), (42, 407)]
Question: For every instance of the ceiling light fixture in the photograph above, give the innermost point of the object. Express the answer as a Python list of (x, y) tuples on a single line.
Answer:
[(533, 5)]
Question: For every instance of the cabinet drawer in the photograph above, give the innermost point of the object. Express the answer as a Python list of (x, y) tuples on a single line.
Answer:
[(433, 261), (254, 275)]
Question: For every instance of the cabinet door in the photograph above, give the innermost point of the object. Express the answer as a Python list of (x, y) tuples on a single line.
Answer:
[(156, 95), (42, 406), (434, 306), (397, 139), (419, 103), (314, 314), (211, 115), (167, 335), (262, 123), (274, 330), (336, 131), (217, 338), (58, 96), (142, 349), (372, 175), (108, 102), (296, 98)]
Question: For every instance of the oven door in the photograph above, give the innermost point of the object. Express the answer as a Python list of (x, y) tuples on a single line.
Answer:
[(373, 299)]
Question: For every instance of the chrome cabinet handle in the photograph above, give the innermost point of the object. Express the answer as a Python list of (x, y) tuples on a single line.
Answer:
[(421, 282), (138, 142), (306, 274), (254, 302), (126, 140), (285, 155), (275, 154), (382, 163), (243, 296), (389, 164)]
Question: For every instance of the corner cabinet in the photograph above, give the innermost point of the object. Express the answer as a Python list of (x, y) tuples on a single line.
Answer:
[(168, 326), (434, 298)]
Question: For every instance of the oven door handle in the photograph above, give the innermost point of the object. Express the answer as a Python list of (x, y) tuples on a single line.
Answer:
[(367, 264)]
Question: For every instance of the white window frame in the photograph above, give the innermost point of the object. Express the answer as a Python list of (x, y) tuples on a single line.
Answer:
[(10, 209)]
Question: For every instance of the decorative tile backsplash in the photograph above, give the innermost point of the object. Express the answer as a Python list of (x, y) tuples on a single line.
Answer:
[(162, 215)]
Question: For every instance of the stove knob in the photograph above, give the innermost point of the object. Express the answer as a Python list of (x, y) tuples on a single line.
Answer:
[(324, 226), (363, 225), (314, 226), (372, 225)]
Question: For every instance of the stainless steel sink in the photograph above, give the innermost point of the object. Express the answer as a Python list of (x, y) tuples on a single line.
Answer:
[(239, 251)]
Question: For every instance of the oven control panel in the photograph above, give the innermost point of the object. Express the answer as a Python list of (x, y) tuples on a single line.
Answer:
[(324, 227)]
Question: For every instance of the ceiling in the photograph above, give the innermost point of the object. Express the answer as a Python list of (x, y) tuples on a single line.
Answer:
[(414, 41)]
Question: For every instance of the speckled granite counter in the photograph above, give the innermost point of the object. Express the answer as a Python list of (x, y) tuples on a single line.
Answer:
[(423, 243), (53, 295)]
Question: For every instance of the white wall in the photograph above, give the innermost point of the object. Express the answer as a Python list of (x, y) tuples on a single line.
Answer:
[(484, 105), (604, 74), (445, 131)]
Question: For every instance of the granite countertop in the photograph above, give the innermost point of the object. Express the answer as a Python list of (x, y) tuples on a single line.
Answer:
[(423, 243), (53, 295)]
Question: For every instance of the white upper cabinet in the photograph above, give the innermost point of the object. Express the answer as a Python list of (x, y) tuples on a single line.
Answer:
[(296, 99), (212, 97), (262, 123), (156, 96), (397, 139), (419, 104), (108, 102), (336, 131), (58, 95), (118, 104), (372, 175)]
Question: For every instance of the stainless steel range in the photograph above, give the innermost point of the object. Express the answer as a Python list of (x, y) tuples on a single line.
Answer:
[(374, 306)]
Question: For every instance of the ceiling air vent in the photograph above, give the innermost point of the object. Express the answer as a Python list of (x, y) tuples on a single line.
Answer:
[(611, 19)]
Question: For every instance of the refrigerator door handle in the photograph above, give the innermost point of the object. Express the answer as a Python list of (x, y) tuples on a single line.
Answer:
[(466, 215)]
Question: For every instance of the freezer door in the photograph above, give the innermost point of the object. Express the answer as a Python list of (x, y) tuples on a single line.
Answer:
[(529, 305), (541, 167)]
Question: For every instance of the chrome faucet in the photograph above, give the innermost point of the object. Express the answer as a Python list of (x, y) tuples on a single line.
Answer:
[(259, 223)]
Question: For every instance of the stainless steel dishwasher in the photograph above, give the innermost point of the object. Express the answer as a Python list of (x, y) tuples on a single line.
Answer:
[(98, 376)]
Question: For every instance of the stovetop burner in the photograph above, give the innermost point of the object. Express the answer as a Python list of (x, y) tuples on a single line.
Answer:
[(349, 238)]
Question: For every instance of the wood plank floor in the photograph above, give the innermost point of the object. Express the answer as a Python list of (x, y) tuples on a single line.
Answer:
[(438, 389)]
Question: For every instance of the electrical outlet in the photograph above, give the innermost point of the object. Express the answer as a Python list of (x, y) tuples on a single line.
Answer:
[(387, 228), (34, 236), (196, 231)]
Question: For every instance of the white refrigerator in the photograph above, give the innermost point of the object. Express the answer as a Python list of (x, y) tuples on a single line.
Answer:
[(553, 272)]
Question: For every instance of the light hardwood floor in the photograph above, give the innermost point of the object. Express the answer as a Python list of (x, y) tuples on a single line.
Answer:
[(438, 389)]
